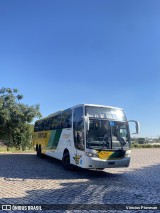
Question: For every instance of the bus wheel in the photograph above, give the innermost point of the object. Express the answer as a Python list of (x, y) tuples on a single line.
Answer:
[(39, 154), (66, 162)]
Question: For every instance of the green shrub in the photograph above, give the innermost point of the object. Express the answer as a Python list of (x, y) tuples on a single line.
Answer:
[(156, 146), (148, 146), (136, 145)]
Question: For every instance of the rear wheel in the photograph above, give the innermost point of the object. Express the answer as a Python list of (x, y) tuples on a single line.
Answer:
[(36, 147), (39, 152), (66, 162)]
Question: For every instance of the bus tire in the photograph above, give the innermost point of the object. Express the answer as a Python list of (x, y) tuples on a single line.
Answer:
[(66, 162), (39, 154)]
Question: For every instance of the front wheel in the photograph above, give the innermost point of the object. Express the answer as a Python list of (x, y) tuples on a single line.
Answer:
[(66, 162)]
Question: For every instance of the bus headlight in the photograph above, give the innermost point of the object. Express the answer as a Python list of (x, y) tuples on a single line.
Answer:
[(89, 154)]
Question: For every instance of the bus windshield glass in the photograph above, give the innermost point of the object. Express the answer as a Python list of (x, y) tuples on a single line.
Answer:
[(105, 134), (105, 112)]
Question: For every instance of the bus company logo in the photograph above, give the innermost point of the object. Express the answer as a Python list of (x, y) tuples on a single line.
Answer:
[(77, 158)]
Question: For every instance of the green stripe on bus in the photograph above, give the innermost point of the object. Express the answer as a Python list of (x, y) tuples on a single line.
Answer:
[(51, 139), (54, 139), (117, 154)]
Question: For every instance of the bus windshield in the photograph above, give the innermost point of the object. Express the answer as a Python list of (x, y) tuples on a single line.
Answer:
[(105, 134)]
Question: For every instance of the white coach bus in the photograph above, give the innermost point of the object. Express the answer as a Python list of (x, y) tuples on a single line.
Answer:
[(87, 136)]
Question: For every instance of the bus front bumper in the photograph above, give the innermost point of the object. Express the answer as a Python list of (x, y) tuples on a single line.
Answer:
[(96, 163)]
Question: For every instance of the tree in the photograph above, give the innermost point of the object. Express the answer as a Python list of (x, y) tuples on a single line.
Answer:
[(22, 137), (141, 140), (15, 117)]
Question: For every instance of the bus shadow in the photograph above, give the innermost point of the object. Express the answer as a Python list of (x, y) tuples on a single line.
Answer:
[(140, 186), (16, 167), (28, 166)]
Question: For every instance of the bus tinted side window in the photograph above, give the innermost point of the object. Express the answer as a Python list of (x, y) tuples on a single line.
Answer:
[(36, 127), (55, 122), (52, 124), (78, 125), (67, 119), (39, 126), (48, 124)]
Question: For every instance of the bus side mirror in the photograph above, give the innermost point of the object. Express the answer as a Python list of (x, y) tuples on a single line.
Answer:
[(86, 121), (137, 126)]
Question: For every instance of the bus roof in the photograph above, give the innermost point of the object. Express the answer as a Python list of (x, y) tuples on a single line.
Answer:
[(94, 105)]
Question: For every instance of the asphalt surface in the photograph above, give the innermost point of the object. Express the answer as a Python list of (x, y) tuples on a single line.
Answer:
[(26, 179)]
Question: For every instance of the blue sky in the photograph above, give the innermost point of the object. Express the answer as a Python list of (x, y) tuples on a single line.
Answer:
[(61, 53)]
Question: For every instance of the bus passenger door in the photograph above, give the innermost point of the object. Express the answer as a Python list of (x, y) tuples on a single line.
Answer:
[(78, 133)]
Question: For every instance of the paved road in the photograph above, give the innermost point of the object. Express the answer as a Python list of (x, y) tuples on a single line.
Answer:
[(26, 179)]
